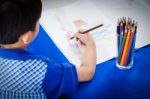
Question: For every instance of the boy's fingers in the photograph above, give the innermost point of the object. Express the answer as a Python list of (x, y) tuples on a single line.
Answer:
[(81, 30), (74, 36), (78, 35)]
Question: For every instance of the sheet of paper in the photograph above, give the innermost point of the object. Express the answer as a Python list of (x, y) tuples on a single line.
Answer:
[(135, 9), (63, 22)]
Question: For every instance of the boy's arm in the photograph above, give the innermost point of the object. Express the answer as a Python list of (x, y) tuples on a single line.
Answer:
[(86, 70)]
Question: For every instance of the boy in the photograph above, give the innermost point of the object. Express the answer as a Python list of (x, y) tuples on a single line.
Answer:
[(24, 75)]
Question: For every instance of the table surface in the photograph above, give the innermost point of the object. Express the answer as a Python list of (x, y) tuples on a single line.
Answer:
[(109, 81)]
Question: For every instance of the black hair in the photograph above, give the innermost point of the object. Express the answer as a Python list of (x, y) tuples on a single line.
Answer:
[(18, 17)]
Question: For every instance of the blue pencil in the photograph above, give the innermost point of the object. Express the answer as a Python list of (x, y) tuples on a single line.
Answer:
[(120, 41), (123, 43), (118, 33)]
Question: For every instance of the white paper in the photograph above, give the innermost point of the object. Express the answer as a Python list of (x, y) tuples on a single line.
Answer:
[(139, 10), (58, 23)]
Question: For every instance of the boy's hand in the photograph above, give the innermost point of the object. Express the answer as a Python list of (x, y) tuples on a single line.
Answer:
[(87, 67), (85, 39)]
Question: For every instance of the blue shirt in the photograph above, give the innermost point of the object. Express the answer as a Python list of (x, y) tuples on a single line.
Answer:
[(24, 75)]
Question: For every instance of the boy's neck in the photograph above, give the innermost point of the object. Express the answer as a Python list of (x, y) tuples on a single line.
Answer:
[(11, 46)]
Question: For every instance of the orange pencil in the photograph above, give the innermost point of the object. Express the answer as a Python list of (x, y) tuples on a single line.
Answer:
[(125, 50), (129, 47)]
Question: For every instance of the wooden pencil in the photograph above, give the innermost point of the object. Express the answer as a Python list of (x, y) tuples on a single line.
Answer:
[(123, 58), (123, 44), (129, 46), (91, 29)]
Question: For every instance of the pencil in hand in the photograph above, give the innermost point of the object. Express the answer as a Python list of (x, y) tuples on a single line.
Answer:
[(91, 29)]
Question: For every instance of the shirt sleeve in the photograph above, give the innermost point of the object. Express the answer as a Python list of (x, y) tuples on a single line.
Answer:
[(60, 79)]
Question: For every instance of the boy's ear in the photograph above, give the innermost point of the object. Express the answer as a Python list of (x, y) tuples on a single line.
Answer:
[(26, 38)]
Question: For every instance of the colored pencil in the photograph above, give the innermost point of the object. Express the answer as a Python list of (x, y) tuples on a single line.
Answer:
[(124, 54), (91, 29)]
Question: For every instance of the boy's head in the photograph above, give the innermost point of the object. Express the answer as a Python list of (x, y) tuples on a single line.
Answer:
[(19, 20)]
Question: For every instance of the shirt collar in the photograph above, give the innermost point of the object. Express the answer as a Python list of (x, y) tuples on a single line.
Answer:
[(20, 54)]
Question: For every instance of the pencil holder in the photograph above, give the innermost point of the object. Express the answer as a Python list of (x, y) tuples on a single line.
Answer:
[(126, 38)]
